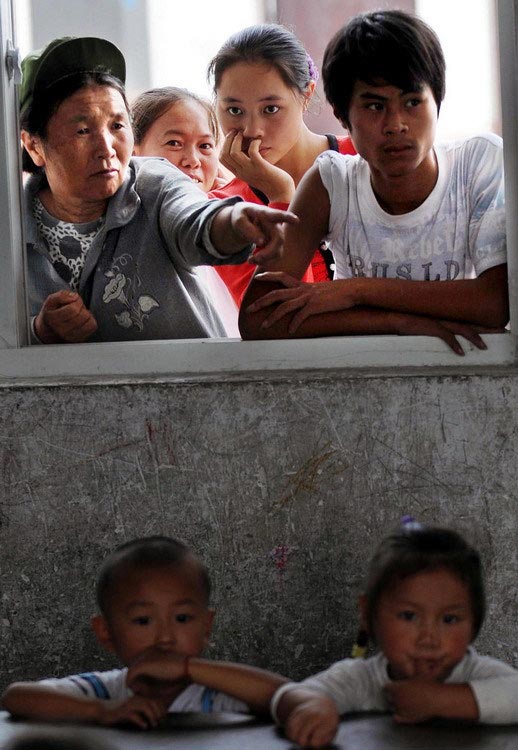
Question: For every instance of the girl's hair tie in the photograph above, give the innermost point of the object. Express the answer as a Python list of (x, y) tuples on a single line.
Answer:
[(408, 523), (359, 649), (314, 75)]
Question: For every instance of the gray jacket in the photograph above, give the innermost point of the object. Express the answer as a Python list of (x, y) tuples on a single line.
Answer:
[(138, 279)]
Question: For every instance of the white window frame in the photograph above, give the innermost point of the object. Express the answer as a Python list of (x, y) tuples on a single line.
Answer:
[(231, 358)]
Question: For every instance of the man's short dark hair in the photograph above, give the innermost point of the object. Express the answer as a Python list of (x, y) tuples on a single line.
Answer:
[(388, 47), (143, 553), (422, 550)]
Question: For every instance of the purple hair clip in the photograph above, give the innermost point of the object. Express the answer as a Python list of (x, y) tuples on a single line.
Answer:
[(314, 75), (408, 523)]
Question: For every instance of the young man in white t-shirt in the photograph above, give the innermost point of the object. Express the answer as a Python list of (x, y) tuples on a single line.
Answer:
[(401, 214)]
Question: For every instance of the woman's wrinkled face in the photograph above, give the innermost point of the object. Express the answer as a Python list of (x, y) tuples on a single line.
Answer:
[(183, 136), (87, 148)]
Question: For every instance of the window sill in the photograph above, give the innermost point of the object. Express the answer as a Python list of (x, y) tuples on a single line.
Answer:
[(231, 359)]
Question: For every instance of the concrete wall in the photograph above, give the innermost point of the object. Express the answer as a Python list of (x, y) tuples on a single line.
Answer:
[(282, 486)]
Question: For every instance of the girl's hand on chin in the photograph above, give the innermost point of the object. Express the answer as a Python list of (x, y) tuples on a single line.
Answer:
[(243, 158)]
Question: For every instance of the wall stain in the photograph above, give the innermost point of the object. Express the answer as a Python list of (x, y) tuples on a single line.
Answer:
[(280, 556), (159, 438), (309, 476)]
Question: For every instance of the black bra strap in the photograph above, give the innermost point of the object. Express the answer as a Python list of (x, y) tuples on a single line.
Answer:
[(262, 197), (333, 142)]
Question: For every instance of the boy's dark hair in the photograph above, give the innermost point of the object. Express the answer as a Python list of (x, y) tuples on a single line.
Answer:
[(149, 106), (418, 550), (268, 43), (146, 552), (388, 47), (35, 118)]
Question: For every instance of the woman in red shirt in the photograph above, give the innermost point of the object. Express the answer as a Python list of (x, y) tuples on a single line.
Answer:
[(264, 81)]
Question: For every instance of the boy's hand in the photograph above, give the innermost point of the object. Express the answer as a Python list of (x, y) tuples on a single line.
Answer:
[(301, 299), (156, 673), (313, 723), (142, 712), (447, 330)]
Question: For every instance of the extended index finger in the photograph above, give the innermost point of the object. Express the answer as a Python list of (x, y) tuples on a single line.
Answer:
[(267, 252), (278, 216)]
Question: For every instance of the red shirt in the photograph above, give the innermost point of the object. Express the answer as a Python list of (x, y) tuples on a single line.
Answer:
[(238, 277)]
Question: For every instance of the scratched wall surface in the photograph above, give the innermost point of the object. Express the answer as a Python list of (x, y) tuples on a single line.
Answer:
[(282, 487)]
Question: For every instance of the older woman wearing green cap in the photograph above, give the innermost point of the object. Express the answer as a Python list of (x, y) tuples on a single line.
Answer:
[(112, 240)]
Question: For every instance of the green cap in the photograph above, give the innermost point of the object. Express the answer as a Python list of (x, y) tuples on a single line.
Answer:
[(64, 57)]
